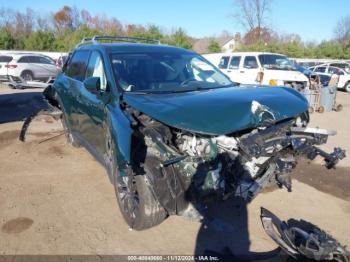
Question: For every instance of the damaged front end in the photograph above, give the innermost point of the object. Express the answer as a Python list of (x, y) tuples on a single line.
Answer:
[(186, 169)]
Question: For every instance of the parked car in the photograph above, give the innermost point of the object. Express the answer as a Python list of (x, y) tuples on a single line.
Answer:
[(324, 79), (173, 131), (27, 66), (326, 69), (61, 60), (259, 68)]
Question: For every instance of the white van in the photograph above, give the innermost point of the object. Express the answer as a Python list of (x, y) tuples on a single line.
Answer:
[(259, 68)]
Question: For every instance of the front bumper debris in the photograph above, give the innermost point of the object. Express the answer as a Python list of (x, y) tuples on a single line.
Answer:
[(282, 145), (303, 240)]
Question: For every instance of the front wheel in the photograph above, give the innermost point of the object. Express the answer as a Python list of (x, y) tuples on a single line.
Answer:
[(139, 206)]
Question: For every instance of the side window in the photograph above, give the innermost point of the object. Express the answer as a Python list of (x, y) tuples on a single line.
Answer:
[(44, 60), (23, 59), (234, 64), (77, 65), (224, 62), (333, 70), (250, 62), (33, 59), (320, 69), (95, 69)]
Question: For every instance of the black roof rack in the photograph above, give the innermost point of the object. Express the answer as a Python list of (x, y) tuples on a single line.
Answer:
[(111, 39)]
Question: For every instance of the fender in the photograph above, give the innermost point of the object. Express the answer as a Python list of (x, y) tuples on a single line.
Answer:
[(121, 133)]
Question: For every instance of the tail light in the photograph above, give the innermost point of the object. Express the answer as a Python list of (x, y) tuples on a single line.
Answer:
[(10, 66)]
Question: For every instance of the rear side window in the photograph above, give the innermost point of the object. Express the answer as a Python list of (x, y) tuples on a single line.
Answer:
[(224, 62), (320, 69), (24, 59), (333, 70), (250, 62), (45, 60), (77, 65), (5, 59), (234, 64)]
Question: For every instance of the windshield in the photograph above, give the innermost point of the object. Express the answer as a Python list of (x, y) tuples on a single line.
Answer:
[(166, 72), (276, 62)]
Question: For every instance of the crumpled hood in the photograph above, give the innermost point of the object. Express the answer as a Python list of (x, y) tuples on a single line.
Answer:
[(220, 111)]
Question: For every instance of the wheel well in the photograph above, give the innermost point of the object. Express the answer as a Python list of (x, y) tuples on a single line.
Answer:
[(27, 71)]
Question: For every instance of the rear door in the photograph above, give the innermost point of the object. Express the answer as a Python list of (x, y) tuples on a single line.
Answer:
[(233, 70), (47, 67), (249, 72), (71, 87)]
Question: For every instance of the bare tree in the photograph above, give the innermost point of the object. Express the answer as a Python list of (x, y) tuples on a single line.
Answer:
[(7, 18), (252, 14), (24, 22), (342, 31)]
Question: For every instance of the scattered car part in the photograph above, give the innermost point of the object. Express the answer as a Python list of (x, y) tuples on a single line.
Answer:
[(52, 110), (303, 240)]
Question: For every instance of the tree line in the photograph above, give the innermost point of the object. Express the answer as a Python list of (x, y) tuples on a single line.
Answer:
[(63, 29)]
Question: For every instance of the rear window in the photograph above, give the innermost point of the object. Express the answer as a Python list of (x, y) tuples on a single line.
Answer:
[(5, 59), (77, 65)]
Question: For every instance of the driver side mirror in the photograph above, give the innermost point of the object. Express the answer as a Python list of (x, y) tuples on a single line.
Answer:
[(92, 84)]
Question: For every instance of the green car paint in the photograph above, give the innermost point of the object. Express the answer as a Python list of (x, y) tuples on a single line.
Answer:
[(215, 111), (219, 111)]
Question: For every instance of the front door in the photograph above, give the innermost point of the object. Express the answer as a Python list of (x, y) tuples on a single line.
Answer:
[(93, 106)]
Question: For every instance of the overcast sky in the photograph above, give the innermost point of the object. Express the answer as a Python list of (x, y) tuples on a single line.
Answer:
[(313, 20)]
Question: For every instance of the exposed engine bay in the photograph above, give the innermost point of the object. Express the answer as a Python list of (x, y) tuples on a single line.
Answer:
[(186, 167)]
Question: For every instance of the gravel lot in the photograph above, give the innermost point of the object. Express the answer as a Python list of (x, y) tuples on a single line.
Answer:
[(56, 199)]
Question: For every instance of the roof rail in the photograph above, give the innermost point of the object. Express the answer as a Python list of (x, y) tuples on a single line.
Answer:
[(97, 38)]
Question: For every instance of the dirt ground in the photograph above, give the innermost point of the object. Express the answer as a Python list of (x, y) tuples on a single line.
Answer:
[(56, 199)]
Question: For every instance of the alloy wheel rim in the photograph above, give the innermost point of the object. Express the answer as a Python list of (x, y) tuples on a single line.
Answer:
[(127, 193)]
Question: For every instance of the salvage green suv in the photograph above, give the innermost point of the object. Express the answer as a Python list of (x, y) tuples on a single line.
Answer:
[(173, 131)]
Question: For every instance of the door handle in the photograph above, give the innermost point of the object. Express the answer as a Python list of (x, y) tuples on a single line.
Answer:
[(242, 72), (229, 71)]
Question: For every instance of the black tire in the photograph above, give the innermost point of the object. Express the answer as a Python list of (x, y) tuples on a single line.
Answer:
[(138, 205), (27, 75), (137, 202)]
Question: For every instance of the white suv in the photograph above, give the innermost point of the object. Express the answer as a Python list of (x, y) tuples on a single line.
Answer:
[(26, 66), (327, 69), (259, 68)]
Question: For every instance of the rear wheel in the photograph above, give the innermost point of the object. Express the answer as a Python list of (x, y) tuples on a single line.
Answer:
[(27, 75), (347, 87)]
